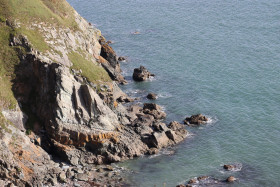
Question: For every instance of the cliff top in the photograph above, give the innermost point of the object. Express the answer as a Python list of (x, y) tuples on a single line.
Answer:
[(56, 32)]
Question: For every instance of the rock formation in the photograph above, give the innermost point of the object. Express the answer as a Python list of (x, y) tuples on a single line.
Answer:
[(152, 96), (64, 101), (196, 120), (141, 74)]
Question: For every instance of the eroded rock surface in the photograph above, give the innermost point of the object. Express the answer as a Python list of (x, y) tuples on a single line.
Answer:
[(141, 74), (77, 120), (196, 120)]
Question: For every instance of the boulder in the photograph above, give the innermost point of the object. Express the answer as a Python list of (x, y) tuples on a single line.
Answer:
[(231, 179), (62, 176), (124, 99), (141, 74), (159, 139), (196, 120), (152, 96)]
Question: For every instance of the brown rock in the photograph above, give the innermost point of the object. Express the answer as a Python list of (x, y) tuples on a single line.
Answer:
[(153, 151), (192, 181), (160, 139), (141, 74), (228, 167), (152, 96), (121, 58), (123, 99), (196, 120), (154, 110), (231, 179), (202, 178)]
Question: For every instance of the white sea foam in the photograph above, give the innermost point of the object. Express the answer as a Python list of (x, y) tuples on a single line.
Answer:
[(211, 119), (164, 95)]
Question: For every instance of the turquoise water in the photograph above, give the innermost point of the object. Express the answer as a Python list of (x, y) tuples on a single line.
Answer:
[(220, 58)]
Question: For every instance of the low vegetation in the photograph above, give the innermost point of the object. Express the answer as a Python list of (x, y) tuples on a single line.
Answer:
[(93, 72)]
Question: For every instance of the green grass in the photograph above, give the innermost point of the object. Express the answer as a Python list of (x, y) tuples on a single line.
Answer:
[(93, 72), (49, 11), (8, 61), (36, 39), (4, 123)]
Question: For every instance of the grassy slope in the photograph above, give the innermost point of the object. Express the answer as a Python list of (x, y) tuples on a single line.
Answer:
[(57, 13), (91, 71), (54, 12)]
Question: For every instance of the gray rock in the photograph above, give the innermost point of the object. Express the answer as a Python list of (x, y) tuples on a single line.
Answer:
[(69, 173), (81, 176)]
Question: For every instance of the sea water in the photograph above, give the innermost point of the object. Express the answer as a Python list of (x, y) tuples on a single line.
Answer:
[(220, 58)]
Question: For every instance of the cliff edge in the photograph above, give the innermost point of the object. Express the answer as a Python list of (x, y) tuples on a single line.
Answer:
[(59, 98)]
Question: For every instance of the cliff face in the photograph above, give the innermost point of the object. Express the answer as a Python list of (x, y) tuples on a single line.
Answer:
[(59, 96)]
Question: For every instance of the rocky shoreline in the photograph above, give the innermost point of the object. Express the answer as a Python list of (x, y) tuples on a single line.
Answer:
[(70, 122), (69, 116)]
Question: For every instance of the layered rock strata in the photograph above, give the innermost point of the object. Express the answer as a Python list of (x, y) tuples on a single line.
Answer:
[(76, 118)]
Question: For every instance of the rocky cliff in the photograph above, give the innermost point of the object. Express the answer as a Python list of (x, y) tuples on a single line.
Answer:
[(59, 98)]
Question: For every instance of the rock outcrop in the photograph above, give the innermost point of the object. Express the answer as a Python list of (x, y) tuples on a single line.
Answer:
[(69, 107), (141, 74), (196, 120), (152, 96), (110, 62), (233, 167)]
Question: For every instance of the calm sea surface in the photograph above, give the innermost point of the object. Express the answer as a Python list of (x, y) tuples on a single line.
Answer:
[(220, 58)]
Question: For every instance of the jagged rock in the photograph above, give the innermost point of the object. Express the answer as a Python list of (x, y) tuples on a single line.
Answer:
[(152, 96), (122, 58), (141, 74), (109, 61), (123, 99), (154, 110), (196, 120), (69, 173), (72, 121)]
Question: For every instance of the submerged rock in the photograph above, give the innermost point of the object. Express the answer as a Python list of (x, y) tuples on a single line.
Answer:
[(141, 74), (231, 179), (233, 167), (196, 120)]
